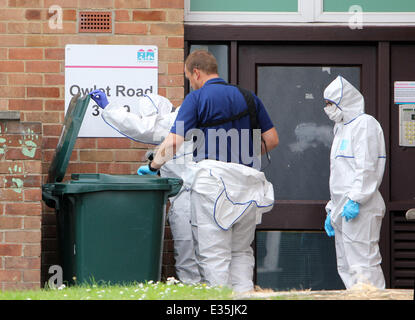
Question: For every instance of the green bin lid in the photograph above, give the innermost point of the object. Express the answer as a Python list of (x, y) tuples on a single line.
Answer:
[(71, 126), (93, 182)]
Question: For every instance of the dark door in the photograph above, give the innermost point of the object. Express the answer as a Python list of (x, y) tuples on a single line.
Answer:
[(292, 249)]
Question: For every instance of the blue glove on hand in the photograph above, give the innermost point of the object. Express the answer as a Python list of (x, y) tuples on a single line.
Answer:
[(328, 227), (100, 98), (144, 170), (350, 210)]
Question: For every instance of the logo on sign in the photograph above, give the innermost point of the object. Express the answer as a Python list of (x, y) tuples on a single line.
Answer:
[(145, 55)]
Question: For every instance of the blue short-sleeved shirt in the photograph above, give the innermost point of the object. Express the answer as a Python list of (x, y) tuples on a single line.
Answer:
[(215, 102)]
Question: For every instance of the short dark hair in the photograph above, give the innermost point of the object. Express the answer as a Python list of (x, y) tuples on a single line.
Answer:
[(202, 60)]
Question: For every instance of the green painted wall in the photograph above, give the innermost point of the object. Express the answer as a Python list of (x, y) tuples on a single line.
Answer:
[(370, 5), (245, 5)]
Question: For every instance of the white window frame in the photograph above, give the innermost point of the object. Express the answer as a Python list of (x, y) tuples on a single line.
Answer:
[(308, 11)]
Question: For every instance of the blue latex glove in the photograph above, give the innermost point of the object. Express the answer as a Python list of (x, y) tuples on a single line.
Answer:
[(328, 227), (350, 210), (100, 98), (144, 170)]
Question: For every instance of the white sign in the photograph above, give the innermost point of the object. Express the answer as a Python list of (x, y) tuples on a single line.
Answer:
[(404, 92), (124, 73)]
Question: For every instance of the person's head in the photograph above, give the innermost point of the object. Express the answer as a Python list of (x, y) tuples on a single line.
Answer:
[(345, 102), (199, 66)]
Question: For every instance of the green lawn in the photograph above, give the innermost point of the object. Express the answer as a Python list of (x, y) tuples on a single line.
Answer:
[(170, 290)]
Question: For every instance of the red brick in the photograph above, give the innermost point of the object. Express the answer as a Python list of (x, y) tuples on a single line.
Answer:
[(31, 275), (7, 222), (167, 28), (24, 209), (25, 3), (32, 250), (24, 27), (122, 15), (66, 27), (25, 53), (172, 4), (43, 66), (54, 79), (54, 105), (131, 4), (175, 68), (62, 3), (12, 92), (10, 195), (10, 250), (40, 41), (5, 167), (53, 130), (94, 155), (10, 275), (114, 143), (9, 40), (33, 14), (97, 4), (130, 28), (23, 236), (130, 155), (43, 92), (11, 66), (54, 53), (32, 194), (145, 15), (26, 79), (32, 222), (118, 168), (176, 42), (171, 81), (22, 263), (25, 104), (32, 167)]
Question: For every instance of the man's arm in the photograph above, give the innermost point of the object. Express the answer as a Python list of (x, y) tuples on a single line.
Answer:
[(167, 150), (270, 138)]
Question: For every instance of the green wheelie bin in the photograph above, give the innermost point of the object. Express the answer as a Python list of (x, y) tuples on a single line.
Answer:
[(110, 227)]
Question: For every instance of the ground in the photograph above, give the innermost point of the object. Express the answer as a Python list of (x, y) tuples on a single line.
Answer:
[(358, 292)]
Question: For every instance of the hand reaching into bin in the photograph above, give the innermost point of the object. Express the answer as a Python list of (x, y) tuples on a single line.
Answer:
[(99, 97), (147, 169)]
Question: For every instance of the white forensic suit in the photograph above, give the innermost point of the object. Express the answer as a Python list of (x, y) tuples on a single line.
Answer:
[(151, 125), (357, 163), (228, 200)]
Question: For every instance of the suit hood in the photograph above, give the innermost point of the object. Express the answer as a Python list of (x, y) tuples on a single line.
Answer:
[(346, 97)]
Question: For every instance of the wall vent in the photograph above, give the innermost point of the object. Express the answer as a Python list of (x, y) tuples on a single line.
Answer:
[(95, 21), (403, 251)]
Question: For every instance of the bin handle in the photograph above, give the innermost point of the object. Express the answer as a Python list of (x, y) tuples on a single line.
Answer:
[(176, 185), (51, 201)]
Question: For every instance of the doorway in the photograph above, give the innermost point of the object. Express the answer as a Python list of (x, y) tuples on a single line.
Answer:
[(292, 248)]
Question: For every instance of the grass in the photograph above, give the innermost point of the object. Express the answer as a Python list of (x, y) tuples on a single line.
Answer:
[(170, 290)]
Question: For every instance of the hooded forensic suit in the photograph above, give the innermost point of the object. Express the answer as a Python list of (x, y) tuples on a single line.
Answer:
[(151, 126), (357, 163)]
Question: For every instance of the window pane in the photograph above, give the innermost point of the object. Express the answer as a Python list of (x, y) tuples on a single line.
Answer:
[(221, 54), (370, 5), (296, 260), (244, 5), (293, 97)]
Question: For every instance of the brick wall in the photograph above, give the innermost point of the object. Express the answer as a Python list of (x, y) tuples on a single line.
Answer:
[(32, 82), (20, 204)]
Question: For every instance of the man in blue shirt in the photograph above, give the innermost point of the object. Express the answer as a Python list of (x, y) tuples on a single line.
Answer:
[(228, 195)]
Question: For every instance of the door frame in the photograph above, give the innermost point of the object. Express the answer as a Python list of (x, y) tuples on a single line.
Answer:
[(379, 36), (305, 214)]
